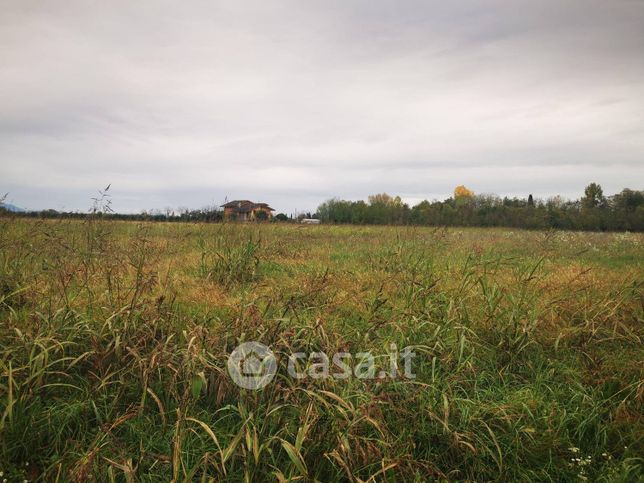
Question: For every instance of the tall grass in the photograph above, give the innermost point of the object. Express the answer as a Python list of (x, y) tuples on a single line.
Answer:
[(229, 261), (113, 353)]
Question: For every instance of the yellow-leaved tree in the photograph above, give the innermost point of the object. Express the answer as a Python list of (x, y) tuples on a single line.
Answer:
[(462, 192), (385, 199), (462, 195)]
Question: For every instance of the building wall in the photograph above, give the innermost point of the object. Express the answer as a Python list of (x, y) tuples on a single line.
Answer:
[(232, 213)]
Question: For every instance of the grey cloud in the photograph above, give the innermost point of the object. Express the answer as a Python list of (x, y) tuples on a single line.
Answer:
[(294, 102)]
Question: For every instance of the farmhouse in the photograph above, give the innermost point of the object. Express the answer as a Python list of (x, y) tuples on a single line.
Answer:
[(245, 210)]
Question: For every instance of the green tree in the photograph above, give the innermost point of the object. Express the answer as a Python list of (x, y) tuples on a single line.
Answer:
[(593, 196), (629, 200)]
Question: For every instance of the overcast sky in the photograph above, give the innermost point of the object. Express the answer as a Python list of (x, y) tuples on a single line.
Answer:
[(294, 102)]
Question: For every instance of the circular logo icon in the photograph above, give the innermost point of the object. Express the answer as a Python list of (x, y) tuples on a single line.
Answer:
[(252, 365)]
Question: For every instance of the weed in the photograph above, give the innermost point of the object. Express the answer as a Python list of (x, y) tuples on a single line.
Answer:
[(229, 262), (113, 351)]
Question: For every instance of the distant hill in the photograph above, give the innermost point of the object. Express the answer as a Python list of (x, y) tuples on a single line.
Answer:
[(10, 207)]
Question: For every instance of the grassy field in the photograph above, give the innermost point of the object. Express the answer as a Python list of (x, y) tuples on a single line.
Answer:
[(114, 339)]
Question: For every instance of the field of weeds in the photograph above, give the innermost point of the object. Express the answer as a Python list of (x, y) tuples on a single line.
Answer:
[(114, 340)]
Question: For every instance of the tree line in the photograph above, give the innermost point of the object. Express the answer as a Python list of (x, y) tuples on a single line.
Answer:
[(594, 211)]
